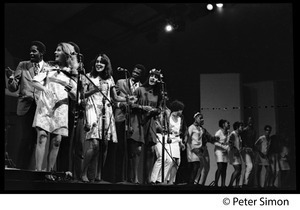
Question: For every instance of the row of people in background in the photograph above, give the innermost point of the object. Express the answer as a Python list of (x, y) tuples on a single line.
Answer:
[(236, 148), (109, 126)]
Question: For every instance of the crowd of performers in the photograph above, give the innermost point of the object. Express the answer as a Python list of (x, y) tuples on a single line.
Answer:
[(126, 131)]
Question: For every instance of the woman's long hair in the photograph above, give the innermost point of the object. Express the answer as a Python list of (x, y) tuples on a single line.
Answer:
[(107, 72), (68, 51)]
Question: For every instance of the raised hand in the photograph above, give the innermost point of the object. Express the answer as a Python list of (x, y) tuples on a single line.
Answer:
[(8, 72)]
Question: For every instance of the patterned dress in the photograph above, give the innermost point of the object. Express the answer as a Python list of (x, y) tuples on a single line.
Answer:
[(94, 104), (52, 113)]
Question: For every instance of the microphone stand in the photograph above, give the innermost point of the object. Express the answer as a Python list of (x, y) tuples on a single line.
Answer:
[(128, 128), (101, 156), (165, 128), (75, 111)]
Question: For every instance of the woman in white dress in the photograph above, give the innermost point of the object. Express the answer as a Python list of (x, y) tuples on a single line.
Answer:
[(235, 157), (197, 152), (101, 76), (51, 115), (262, 145), (221, 151)]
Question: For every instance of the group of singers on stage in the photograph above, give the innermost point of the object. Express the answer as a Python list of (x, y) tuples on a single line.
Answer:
[(126, 131)]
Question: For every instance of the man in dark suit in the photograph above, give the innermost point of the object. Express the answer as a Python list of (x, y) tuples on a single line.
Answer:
[(20, 79), (118, 157)]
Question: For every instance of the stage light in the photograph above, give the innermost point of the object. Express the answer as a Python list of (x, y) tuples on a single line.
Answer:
[(219, 5), (169, 28), (209, 6), (174, 24)]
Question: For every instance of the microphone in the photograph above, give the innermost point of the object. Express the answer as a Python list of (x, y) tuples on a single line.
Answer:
[(121, 69), (81, 57), (81, 70)]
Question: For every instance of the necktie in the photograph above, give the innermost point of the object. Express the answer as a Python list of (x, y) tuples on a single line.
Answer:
[(36, 71), (36, 68), (134, 86)]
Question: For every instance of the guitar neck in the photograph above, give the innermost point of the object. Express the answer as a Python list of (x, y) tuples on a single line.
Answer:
[(123, 91)]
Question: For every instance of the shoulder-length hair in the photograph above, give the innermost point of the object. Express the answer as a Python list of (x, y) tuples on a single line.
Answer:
[(156, 88), (67, 49), (107, 72)]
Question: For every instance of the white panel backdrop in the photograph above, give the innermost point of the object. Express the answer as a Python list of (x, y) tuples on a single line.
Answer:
[(220, 98)]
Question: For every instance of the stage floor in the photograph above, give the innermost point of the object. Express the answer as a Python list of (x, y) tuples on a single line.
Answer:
[(21, 181)]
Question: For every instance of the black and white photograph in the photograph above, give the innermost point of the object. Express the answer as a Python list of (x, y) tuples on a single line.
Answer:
[(158, 98)]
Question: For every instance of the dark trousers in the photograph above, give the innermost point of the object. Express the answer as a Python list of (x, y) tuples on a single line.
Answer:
[(121, 153), (28, 140), (115, 167), (71, 152), (78, 149), (184, 170)]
